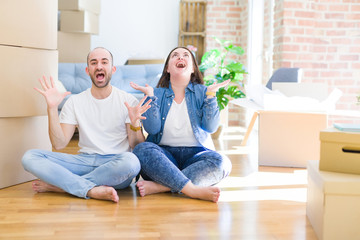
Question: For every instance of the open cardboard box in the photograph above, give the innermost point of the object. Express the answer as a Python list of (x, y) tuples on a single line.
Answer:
[(288, 138)]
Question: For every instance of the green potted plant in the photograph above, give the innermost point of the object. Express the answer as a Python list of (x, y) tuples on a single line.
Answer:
[(219, 67)]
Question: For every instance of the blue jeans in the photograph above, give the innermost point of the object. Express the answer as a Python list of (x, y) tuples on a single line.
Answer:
[(77, 174), (174, 167)]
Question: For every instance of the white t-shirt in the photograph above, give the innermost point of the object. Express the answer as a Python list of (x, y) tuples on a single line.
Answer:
[(101, 122), (177, 129)]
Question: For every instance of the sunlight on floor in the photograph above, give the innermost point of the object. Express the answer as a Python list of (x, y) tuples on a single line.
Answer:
[(287, 194), (265, 186)]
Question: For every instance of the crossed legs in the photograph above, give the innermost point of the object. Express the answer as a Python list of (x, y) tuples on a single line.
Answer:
[(84, 175), (200, 169)]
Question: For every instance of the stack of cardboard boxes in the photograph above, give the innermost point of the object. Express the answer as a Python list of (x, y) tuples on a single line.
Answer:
[(28, 50), (333, 204), (78, 20)]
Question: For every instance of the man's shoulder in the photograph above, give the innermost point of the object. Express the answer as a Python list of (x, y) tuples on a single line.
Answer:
[(82, 94), (123, 94)]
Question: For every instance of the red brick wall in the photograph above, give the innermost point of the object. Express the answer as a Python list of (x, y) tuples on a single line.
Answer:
[(320, 36), (267, 40), (323, 38), (228, 19)]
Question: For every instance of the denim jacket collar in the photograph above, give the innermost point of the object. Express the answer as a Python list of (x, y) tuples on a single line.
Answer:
[(170, 93)]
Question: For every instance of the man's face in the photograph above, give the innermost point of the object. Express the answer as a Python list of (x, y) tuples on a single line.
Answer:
[(100, 67)]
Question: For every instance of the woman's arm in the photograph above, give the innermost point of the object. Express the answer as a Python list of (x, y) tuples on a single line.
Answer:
[(211, 113), (152, 123)]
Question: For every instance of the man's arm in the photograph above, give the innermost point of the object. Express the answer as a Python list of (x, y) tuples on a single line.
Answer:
[(134, 132), (60, 134)]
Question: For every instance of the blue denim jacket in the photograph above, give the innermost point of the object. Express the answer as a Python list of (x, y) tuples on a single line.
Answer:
[(203, 112)]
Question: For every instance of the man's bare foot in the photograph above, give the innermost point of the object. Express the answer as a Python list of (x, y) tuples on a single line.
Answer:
[(103, 193), (210, 193), (150, 187), (40, 187)]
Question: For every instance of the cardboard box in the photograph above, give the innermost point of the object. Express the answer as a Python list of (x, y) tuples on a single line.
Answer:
[(340, 151), (17, 136), (80, 5), (73, 47), (21, 69), (29, 23), (333, 203), (289, 139), (79, 22)]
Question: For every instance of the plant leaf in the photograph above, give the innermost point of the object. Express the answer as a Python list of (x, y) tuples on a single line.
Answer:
[(210, 59), (223, 43), (235, 67), (236, 49)]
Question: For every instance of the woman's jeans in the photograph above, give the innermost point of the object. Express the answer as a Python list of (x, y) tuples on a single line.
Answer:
[(77, 174), (174, 167)]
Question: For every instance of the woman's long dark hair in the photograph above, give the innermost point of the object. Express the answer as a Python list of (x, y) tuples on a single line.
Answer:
[(196, 76)]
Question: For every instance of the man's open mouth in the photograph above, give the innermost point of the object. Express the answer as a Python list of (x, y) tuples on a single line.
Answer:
[(100, 76)]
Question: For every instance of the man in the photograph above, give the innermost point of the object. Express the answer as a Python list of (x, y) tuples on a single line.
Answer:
[(107, 131)]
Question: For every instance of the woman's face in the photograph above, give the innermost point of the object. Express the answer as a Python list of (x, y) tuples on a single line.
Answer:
[(180, 63)]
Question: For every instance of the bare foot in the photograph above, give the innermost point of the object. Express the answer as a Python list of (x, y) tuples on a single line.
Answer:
[(150, 187), (40, 187), (210, 193), (103, 193)]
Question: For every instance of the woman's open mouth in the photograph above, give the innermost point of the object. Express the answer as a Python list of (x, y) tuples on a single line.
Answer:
[(180, 65)]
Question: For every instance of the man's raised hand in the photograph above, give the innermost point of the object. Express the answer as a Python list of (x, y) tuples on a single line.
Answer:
[(52, 96), (135, 113)]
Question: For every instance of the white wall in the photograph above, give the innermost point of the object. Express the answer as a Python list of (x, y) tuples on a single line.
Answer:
[(138, 28)]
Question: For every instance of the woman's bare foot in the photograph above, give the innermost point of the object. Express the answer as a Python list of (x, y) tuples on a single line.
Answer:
[(150, 187), (103, 193), (210, 193), (40, 187)]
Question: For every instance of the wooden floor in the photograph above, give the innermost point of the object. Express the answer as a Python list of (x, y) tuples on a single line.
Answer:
[(255, 203)]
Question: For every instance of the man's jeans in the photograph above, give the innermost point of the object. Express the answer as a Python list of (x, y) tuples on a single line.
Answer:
[(174, 167), (77, 174)]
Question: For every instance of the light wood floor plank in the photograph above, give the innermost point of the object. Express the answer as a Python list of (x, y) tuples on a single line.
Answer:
[(255, 203)]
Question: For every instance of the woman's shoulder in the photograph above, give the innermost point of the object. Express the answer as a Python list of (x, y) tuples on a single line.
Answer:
[(198, 89), (160, 91), (199, 86)]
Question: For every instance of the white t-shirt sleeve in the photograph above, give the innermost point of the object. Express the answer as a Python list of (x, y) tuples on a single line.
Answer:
[(67, 114)]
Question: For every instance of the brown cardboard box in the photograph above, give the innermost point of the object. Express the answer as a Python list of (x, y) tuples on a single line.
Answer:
[(21, 68), (17, 136), (73, 47), (28, 23), (340, 151), (333, 203), (79, 22), (289, 139), (80, 5)]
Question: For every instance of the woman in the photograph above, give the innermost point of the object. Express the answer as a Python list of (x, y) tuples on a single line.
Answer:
[(176, 155)]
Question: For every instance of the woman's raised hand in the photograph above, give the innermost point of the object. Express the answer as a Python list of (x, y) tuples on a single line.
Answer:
[(147, 90), (215, 86), (52, 96)]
